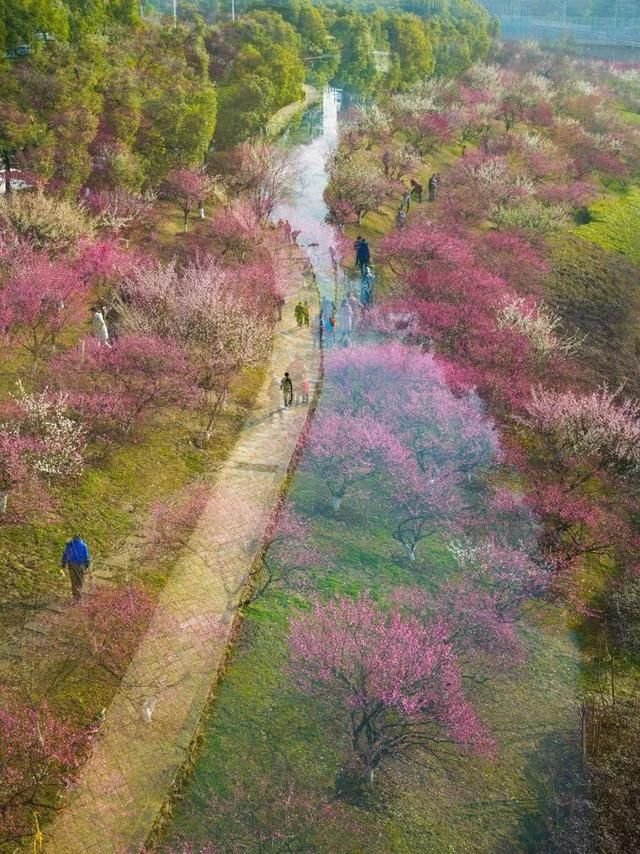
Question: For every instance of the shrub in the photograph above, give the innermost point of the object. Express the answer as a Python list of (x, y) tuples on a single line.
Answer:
[(50, 223)]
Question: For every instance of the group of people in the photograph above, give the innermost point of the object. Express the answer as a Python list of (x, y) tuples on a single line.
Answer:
[(290, 235), (300, 392), (105, 322), (301, 313), (334, 321), (414, 191)]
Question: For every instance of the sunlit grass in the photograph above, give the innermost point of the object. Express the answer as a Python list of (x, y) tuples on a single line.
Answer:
[(614, 224)]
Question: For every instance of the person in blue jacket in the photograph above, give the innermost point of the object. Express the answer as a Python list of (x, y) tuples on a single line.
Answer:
[(77, 560)]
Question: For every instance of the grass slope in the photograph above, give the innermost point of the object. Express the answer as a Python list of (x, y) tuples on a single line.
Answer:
[(614, 224)]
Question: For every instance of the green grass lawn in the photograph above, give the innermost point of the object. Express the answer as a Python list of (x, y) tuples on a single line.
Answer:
[(614, 224), (597, 292)]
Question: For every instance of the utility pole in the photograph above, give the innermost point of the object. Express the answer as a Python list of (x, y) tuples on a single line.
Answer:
[(175, 13)]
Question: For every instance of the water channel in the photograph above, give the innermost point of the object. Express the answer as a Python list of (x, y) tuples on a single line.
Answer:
[(265, 758)]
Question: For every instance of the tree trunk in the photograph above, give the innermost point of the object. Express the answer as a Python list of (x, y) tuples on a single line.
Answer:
[(411, 551), (7, 173), (4, 500), (336, 501), (186, 221), (368, 776)]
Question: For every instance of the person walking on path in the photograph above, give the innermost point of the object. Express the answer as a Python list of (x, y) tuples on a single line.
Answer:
[(366, 288), (287, 390), (327, 308), (363, 256), (330, 330), (77, 560), (416, 190), (306, 388), (406, 201), (299, 314), (356, 308), (401, 218), (100, 328), (345, 315), (433, 187)]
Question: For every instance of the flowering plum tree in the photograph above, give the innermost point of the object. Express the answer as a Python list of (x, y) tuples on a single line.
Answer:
[(512, 258), (116, 210), (263, 174), (38, 750), (186, 187), (173, 520), (106, 625), (209, 309), (16, 451), (356, 184), (236, 232), (510, 575), (118, 386), (103, 264), (427, 130), (286, 550), (38, 301), (53, 224), (397, 682), (426, 500), (597, 426), (348, 449), (58, 441), (539, 325)]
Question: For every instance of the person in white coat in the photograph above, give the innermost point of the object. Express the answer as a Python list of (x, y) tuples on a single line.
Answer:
[(100, 328)]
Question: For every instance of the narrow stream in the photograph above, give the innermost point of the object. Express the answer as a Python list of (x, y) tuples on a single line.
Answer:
[(311, 142), (261, 738)]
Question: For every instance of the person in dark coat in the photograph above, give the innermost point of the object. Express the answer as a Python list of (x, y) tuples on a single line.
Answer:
[(77, 560), (363, 256), (287, 389), (416, 190)]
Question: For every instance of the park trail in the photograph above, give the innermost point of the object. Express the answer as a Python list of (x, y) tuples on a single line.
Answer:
[(150, 724)]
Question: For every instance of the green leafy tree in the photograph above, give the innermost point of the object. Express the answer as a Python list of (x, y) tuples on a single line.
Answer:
[(411, 51), (257, 64), (357, 66)]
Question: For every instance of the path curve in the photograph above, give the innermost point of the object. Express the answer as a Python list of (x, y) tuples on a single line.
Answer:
[(134, 763)]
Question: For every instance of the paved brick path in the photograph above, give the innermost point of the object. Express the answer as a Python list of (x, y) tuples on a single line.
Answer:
[(134, 763)]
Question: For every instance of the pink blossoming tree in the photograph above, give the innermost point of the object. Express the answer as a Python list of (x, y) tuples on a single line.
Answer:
[(187, 187), (38, 751), (599, 426), (397, 683), (349, 449), (38, 301)]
